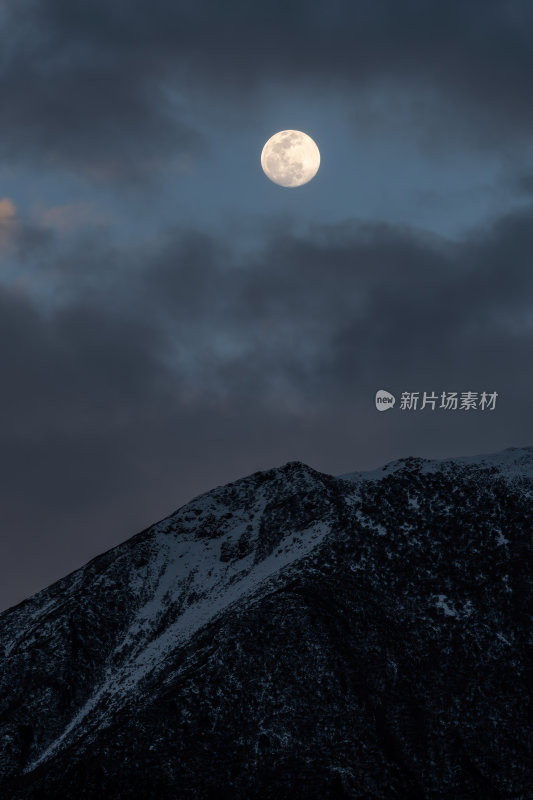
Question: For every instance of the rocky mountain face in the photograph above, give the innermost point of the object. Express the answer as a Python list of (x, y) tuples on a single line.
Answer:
[(290, 635)]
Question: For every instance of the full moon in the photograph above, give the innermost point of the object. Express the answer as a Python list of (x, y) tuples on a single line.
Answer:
[(290, 158)]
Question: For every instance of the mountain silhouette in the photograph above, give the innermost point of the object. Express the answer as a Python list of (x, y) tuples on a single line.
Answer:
[(290, 635)]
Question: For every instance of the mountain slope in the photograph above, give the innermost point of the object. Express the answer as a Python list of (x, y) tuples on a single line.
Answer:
[(289, 635)]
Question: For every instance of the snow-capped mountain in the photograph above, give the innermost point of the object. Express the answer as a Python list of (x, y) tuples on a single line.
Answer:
[(291, 634)]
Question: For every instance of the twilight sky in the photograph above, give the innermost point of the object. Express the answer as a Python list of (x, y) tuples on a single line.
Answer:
[(171, 320)]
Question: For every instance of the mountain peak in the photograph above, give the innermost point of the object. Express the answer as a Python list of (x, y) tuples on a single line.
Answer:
[(288, 634), (509, 463)]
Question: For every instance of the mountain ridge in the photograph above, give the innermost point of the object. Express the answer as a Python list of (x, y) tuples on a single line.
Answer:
[(367, 577)]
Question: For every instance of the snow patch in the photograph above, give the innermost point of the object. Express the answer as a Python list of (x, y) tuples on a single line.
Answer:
[(186, 571), (448, 609)]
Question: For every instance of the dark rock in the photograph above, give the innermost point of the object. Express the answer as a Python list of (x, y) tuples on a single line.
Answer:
[(290, 635)]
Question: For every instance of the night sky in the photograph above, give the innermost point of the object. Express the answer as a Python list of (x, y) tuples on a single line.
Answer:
[(172, 320)]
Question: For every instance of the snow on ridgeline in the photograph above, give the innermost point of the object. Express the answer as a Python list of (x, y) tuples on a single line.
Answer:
[(190, 583), (147, 657), (514, 462)]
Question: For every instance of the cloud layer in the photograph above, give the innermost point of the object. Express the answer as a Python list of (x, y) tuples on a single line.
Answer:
[(135, 376), (115, 90), (143, 377)]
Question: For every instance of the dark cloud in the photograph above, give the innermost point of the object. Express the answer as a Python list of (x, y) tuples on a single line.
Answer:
[(524, 184), (98, 105), (185, 358), (114, 89)]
